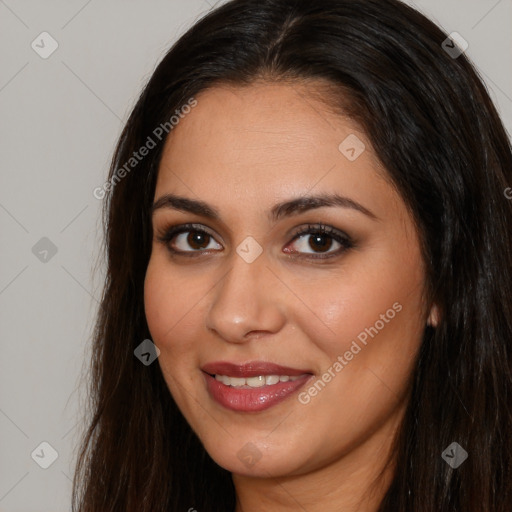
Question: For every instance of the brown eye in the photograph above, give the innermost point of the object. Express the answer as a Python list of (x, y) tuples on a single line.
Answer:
[(188, 239), (197, 239), (318, 240), (315, 243)]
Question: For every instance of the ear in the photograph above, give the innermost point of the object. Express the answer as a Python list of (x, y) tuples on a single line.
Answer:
[(433, 317)]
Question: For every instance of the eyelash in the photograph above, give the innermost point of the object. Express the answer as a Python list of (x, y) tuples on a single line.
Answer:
[(168, 233)]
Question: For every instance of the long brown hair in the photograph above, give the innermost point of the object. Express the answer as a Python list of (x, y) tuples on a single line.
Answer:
[(435, 129)]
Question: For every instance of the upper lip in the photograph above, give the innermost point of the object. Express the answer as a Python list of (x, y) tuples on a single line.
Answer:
[(250, 369)]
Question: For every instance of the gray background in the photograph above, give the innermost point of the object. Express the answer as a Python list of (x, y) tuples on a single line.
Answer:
[(60, 118)]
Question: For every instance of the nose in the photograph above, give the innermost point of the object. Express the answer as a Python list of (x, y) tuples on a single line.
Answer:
[(247, 303)]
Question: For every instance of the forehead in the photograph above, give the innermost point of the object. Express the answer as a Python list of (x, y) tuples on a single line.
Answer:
[(267, 142)]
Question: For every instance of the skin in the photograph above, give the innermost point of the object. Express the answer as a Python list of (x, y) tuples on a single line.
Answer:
[(242, 150)]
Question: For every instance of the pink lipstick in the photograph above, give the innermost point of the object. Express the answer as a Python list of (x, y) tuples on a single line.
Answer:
[(253, 386)]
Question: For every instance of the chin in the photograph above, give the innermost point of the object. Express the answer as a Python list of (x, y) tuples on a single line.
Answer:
[(256, 459)]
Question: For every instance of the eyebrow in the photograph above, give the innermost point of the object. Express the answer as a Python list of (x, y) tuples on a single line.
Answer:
[(278, 211)]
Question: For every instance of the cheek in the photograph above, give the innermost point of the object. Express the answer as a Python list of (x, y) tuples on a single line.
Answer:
[(373, 311), (165, 308), (157, 300), (166, 316), (174, 307), (365, 345)]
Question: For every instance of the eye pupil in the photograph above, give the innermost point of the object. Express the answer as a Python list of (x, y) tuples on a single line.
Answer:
[(317, 242), (197, 240)]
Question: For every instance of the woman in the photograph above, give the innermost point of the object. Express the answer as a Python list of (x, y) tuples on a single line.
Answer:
[(307, 303)]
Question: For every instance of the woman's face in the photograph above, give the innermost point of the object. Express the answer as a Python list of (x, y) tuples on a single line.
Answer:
[(341, 312)]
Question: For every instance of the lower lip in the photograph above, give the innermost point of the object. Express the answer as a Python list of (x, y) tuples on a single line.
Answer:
[(252, 400)]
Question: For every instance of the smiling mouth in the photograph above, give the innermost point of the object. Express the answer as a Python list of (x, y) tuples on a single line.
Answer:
[(253, 386)]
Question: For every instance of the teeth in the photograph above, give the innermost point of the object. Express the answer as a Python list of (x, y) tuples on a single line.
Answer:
[(255, 382), (271, 379), (234, 381)]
